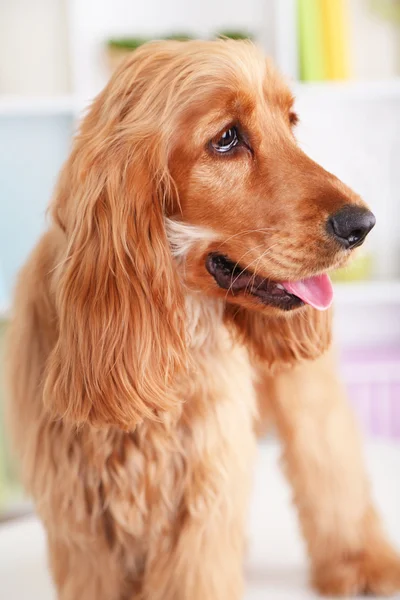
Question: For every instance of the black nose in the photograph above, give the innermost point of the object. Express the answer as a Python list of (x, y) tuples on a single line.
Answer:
[(351, 225)]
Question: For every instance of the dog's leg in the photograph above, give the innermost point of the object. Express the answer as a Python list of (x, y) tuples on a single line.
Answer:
[(205, 564), (323, 460), (200, 556), (89, 571)]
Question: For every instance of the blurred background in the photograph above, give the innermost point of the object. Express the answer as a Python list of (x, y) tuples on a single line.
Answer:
[(342, 58)]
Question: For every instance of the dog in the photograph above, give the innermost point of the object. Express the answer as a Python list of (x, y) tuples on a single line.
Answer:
[(178, 302)]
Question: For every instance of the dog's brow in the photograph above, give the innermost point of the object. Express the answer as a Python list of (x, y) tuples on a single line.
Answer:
[(210, 126)]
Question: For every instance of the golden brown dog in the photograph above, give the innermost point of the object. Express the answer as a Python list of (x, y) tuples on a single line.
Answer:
[(189, 232)]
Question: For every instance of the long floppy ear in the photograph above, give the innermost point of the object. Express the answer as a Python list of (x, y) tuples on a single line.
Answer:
[(282, 341), (118, 297)]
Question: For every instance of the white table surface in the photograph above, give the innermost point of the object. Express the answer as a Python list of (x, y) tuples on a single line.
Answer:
[(276, 566)]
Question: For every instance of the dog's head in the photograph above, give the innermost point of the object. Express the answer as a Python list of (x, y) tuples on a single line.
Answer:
[(185, 175), (274, 220)]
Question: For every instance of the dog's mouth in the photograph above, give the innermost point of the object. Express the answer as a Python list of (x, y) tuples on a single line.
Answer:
[(286, 295)]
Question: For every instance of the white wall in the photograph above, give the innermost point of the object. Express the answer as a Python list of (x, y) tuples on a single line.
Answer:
[(374, 41), (358, 139), (33, 50)]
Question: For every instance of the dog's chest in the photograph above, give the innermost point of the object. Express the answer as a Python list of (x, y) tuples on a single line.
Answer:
[(190, 464), (199, 461)]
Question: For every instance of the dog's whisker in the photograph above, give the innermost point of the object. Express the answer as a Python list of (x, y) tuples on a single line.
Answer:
[(247, 231), (242, 271), (237, 264), (252, 279), (244, 254), (247, 267)]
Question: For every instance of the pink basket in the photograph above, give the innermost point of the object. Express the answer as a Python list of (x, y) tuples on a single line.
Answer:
[(372, 376)]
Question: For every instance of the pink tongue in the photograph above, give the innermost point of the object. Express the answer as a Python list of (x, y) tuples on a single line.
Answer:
[(316, 291)]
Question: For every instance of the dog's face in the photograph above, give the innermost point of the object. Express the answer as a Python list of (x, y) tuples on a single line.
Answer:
[(273, 220)]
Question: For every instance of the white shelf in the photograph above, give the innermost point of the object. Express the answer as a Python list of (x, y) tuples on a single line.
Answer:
[(351, 90), (11, 106), (366, 293)]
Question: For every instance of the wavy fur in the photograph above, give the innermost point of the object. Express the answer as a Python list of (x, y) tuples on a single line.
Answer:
[(133, 399)]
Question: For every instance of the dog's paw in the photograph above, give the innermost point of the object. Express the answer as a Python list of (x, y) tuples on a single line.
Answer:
[(375, 572)]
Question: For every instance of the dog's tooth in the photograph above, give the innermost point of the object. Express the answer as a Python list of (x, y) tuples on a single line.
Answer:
[(279, 286)]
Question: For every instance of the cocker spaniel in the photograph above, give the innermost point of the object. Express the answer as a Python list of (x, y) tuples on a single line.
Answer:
[(179, 297)]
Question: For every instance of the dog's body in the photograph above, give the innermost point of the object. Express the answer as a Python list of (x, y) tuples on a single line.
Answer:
[(134, 399), (164, 504)]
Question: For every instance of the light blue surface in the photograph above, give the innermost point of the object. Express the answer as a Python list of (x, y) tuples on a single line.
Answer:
[(32, 150)]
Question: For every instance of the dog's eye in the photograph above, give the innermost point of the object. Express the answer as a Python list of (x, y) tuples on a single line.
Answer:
[(228, 140)]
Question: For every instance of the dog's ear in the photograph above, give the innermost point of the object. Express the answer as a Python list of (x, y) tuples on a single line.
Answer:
[(282, 341), (120, 306)]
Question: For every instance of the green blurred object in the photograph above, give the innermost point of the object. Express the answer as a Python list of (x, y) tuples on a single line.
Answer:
[(128, 43), (179, 37), (359, 269), (312, 61), (235, 35), (132, 43), (387, 9)]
